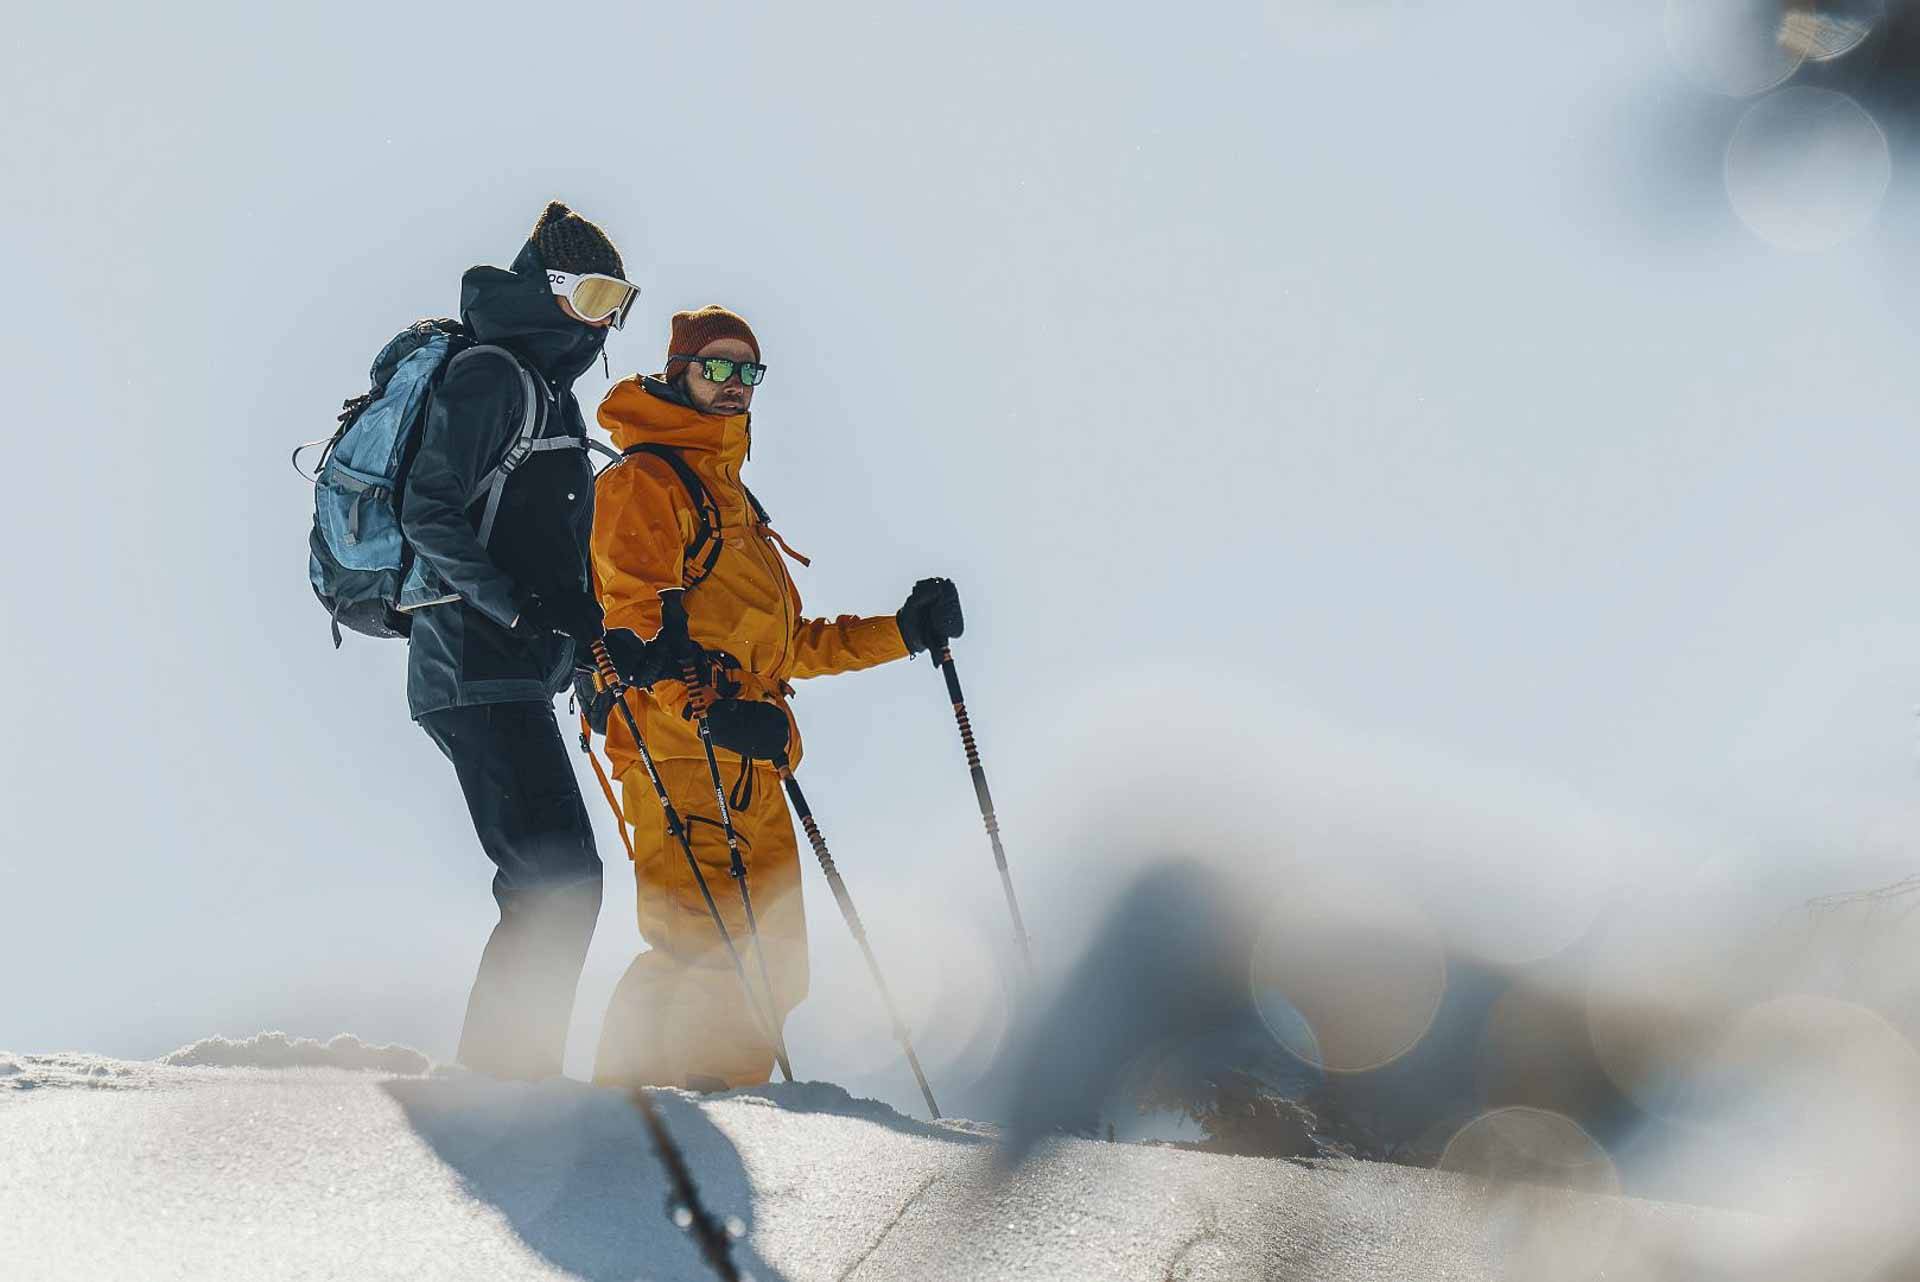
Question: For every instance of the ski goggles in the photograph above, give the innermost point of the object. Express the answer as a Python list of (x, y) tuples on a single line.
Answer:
[(718, 369), (595, 297)]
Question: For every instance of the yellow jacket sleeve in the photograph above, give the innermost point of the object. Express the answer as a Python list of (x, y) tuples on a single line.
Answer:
[(824, 647), (640, 531)]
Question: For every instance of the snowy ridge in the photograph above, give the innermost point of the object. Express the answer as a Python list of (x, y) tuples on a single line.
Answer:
[(85, 1072), (20, 1072), (213, 1173), (277, 1050)]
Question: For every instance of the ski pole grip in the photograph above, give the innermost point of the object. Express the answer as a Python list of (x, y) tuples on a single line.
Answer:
[(603, 664), (684, 655)]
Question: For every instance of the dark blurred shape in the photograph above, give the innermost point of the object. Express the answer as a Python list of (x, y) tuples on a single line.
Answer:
[(1204, 995), (1226, 1088), (1535, 1051), (1170, 965), (1348, 973)]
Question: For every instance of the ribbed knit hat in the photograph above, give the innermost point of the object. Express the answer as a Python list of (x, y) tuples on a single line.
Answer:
[(569, 243), (694, 330)]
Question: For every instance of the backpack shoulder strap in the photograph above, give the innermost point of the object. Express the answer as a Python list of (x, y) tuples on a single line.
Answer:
[(753, 501), (706, 512), (526, 442)]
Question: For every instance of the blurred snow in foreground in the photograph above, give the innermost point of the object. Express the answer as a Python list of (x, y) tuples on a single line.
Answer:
[(218, 1172)]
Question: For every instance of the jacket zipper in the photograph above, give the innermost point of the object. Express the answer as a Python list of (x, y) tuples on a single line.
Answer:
[(770, 561)]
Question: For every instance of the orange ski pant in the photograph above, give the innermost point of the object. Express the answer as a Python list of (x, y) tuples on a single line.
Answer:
[(679, 1016)]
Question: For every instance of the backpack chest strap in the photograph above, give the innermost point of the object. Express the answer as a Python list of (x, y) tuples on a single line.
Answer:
[(526, 442)]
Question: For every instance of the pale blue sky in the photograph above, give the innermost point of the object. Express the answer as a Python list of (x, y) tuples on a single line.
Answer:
[(1408, 368)]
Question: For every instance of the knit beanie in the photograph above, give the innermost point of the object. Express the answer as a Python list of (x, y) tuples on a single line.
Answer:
[(694, 330), (569, 243)]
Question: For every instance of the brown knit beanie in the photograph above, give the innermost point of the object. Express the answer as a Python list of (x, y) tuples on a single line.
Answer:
[(569, 243), (694, 330)]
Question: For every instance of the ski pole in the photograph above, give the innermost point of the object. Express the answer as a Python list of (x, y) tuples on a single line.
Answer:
[(737, 869), (673, 632), (715, 1243), (678, 829), (945, 651), (848, 911)]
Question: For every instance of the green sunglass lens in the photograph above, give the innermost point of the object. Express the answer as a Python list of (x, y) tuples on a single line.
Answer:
[(751, 374), (718, 369)]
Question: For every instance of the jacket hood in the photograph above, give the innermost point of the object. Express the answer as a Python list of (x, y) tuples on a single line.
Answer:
[(515, 308), (645, 408)]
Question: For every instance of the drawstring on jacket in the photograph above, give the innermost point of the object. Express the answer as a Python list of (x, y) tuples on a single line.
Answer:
[(770, 532)]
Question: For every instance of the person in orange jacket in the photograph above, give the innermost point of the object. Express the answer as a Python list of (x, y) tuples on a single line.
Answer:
[(674, 514)]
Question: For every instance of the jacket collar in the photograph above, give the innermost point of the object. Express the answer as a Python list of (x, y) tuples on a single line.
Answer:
[(647, 409)]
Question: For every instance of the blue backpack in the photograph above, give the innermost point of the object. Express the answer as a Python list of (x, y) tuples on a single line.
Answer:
[(359, 563)]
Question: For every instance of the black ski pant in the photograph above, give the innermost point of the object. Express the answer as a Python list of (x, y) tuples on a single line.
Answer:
[(527, 811)]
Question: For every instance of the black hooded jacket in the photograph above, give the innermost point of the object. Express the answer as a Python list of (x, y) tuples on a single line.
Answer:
[(467, 651)]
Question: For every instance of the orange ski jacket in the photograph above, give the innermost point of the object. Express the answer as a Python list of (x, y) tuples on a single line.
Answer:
[(748, 606)]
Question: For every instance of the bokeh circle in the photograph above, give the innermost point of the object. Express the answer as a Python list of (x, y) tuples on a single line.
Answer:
[(1807, 168), (1732, 47), (1347, 973)]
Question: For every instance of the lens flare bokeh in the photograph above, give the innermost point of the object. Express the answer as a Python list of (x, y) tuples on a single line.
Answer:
[(1524, 1162), (1347, 973), (1665, 983), (944, 974), (1731, 47), (1807, 168), (1830, 30), (1809, 1116)]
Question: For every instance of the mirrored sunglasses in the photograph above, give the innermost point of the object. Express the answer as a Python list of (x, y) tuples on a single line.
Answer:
[(718, 369)]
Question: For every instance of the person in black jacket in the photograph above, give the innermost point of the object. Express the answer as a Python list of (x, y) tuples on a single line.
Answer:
[(484, 664)]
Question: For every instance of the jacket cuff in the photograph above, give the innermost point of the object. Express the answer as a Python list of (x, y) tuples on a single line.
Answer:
[(879, 636), (495, 600)]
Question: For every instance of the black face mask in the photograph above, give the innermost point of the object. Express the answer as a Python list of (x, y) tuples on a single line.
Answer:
[(577, 347)]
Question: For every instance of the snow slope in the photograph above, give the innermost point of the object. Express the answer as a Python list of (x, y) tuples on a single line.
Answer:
[(210, 1168)]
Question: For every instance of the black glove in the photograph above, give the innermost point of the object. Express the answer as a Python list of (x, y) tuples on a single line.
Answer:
[(931, 615), (676, 646), (750, 727), (637, 662), (575, 614)]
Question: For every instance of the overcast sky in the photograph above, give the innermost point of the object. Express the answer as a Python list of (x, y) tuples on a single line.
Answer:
[(1258, 371)]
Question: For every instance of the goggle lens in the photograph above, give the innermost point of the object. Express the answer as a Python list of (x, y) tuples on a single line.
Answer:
[(598, 297), (595, 297)]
